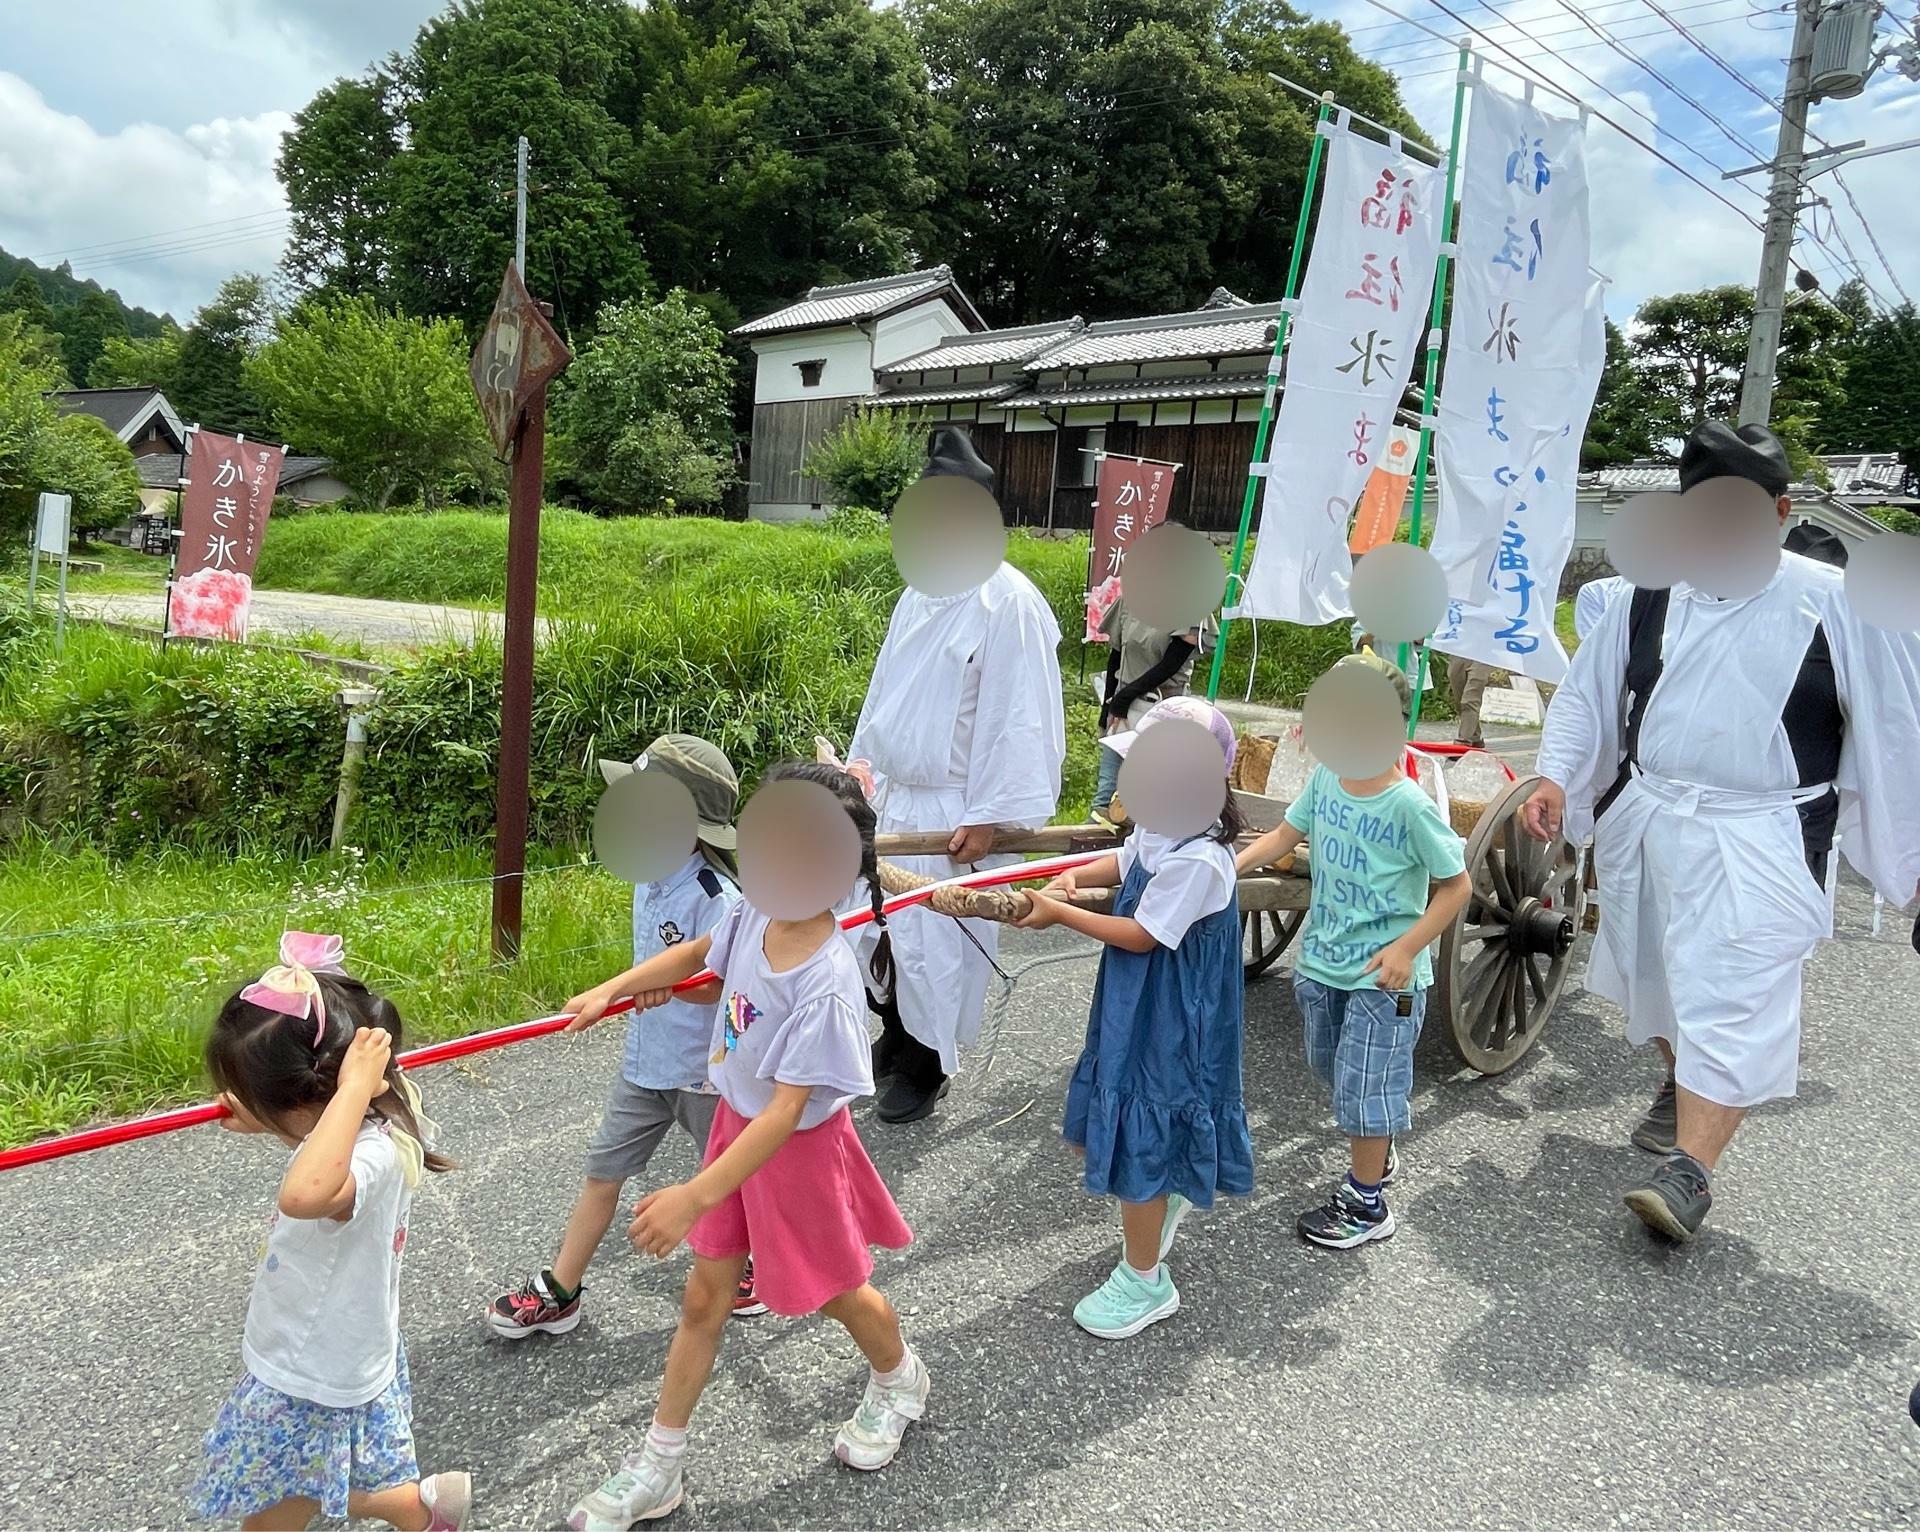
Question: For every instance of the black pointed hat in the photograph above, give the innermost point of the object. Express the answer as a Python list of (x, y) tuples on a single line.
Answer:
[(950, 450), (1719, 451), (1817, 543)]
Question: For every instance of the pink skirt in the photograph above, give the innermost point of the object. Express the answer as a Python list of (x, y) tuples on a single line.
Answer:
[(809, 1216)]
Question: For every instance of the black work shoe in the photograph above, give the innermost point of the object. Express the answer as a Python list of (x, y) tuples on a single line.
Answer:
[(909, 1100), (1675, 1199), (1659, 1130), (886, 1057)]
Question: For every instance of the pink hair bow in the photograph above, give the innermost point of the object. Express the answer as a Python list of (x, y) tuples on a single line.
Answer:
[(861, 770), (290, 987)]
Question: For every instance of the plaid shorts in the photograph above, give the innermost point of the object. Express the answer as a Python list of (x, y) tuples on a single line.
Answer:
[(1359, 1045)]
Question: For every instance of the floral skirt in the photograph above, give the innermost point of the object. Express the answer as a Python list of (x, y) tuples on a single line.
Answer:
[(266, 1446)]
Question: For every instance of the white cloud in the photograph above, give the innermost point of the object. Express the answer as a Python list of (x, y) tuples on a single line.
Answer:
[(163, 216)]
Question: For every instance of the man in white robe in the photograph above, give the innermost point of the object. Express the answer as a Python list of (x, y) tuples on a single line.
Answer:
[(965, 728), (1591, 601), (1696, 747)]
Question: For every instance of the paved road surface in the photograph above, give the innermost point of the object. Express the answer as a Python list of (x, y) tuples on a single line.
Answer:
[(289, 613), (1521, 1355)]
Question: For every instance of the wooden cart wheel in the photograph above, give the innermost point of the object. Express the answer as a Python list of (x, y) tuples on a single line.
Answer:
[(1503, 964), (1265, 934)]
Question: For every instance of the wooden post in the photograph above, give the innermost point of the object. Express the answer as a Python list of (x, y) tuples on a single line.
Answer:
[(516, 677)]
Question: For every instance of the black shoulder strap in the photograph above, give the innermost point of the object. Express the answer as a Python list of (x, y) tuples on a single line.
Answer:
[(1646, 632), (710, 881)]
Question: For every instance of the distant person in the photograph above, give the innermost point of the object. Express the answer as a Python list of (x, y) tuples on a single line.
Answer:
[(1154, 1105), (322, 1423), (1467, 681), (1711, 747), (785, 1178), (663, 1069), (1144, 666), (1389, 876)]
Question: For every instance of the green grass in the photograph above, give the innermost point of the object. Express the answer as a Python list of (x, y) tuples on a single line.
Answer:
[(111, 972), (127, 572)]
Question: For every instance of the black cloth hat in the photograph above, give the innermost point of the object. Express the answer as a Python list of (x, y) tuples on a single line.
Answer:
[(1817, 543), (1719, 451), (950, 450)]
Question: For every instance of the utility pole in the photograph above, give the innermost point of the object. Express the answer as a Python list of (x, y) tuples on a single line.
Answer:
[(520, 208), (1783, 209)]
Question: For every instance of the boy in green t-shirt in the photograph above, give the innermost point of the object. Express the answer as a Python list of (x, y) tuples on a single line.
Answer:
[(1389, 875)]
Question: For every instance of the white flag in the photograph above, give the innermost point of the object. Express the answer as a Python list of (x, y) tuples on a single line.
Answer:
[(1350, 349), (1525, 349)]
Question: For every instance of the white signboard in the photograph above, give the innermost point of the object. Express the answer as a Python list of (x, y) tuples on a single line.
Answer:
[(1350, 349), (1525, 347), (56, 525)]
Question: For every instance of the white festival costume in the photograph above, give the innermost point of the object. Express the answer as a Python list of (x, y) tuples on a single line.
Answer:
[(963, 724), (1710, 911)]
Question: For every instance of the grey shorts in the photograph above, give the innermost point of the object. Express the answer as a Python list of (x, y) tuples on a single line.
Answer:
[(635, 1121)]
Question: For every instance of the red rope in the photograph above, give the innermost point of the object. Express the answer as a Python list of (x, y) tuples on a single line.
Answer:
[(519, 1032)]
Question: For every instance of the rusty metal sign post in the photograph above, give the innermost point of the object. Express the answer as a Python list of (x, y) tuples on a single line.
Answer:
[(518, 355)]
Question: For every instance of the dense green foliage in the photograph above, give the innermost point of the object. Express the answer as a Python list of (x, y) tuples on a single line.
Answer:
[(1881, 410), (147, 361), (209, 381), (60, 289), (644, 415), (387, 397), (41, 449), (870, 458)]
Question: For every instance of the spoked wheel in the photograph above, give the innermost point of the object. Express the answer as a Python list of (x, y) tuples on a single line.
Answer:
[(1265, 934), (1503, 965)]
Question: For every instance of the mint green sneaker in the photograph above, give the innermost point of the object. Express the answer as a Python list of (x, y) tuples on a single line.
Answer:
[(1126, 1303), (1177, 1208)]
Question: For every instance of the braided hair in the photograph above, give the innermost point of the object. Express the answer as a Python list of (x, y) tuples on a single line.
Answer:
[(272, 1066), (844, 786)]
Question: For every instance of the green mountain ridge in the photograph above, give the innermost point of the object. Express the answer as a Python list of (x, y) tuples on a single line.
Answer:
[(62, 289)]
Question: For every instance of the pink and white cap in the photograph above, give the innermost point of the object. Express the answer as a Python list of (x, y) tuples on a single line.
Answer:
[(1188, 709)]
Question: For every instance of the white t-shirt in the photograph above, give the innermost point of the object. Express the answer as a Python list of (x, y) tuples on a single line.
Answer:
[(805, 1026), (324, 1320), (1186, 882)]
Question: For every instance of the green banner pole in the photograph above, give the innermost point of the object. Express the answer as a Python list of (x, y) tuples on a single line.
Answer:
[(1433, 364), (1266, 399)]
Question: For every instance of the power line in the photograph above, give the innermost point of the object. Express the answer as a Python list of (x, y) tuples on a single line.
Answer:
[(1424, 52), (142, 239)]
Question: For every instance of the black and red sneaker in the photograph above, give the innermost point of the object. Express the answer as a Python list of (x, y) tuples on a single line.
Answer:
[(746, 1302), (534, 1305)]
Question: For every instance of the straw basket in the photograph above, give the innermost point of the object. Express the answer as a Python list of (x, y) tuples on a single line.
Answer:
[(1252, 761)]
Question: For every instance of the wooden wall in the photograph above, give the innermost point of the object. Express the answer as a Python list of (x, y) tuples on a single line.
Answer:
[(783, 434), (1207, 492)]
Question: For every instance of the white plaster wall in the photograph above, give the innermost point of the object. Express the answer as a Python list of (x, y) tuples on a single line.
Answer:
[(848, 373), (914, 330)]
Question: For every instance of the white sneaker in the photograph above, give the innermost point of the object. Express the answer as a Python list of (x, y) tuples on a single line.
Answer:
[(871, 1439), (645, 1487)]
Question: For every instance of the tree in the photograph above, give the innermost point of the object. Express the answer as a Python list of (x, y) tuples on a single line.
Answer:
[(82, 458), (645, 411), (870, 458), (85, 329), (26, 299), (1882, 372), (1618, 430), (336, 166), (386, 396), (1690, 351), (210, 386), (151, 361)]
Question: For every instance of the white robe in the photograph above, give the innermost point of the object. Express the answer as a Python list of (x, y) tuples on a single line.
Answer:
[(964, 724), (1590, 603), (1708, 909)]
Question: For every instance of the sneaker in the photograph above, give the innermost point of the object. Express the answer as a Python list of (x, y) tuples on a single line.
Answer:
[(1344, 1221), (745, 1303), (1126, 1303), (645, 1487), (1393, 1164), (870, 1440), (1675, 1199), (1177, 1208), (1660, 1129), (1103, 819), (448, 1498), (533, 1306)]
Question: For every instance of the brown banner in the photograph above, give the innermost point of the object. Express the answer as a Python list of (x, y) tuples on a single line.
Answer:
[(223, 520), (1131, 497)]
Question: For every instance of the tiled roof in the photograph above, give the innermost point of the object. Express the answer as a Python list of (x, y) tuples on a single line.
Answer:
[(1237, 385), (119, 409), (989, 348), (161, 470), (1227, 331), (851, 302), (958, 393), (1858, 475)]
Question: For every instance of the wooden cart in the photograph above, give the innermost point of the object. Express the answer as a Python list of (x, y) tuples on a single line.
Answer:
[(1498, 971)]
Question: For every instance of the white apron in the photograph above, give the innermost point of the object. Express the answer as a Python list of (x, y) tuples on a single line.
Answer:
[(1710, 917)]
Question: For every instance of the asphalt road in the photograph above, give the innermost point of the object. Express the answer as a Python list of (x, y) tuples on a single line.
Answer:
[(286, 614), (1522, 1354)]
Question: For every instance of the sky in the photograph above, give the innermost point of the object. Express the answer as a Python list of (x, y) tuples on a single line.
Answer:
[(140, 138)]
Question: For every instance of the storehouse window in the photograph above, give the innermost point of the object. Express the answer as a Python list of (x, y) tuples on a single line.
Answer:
[(810, 372)]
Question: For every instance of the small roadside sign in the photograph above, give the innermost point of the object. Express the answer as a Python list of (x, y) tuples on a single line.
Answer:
[(518, 353)]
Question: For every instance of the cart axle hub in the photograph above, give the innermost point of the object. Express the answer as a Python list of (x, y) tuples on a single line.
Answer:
[(1538, 929)]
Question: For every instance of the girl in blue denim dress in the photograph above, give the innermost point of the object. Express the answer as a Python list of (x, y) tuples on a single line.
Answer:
[(322, 1422), (1154, 1103)]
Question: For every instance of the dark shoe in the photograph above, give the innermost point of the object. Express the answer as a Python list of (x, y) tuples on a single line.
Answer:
[(1675, 1200), (907, 1100), (1343, 1221), (1660, 1129), (886, 1057)]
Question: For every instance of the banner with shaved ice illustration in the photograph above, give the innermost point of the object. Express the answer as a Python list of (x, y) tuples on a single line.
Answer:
[(223, 520)]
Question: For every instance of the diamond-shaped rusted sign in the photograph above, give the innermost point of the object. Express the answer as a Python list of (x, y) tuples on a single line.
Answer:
[(519, 352)]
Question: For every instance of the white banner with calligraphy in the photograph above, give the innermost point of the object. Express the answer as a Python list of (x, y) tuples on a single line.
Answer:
[(1362, 317), (1525, 348)]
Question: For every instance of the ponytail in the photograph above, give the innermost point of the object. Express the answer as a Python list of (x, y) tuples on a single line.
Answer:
[(846, 787)]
